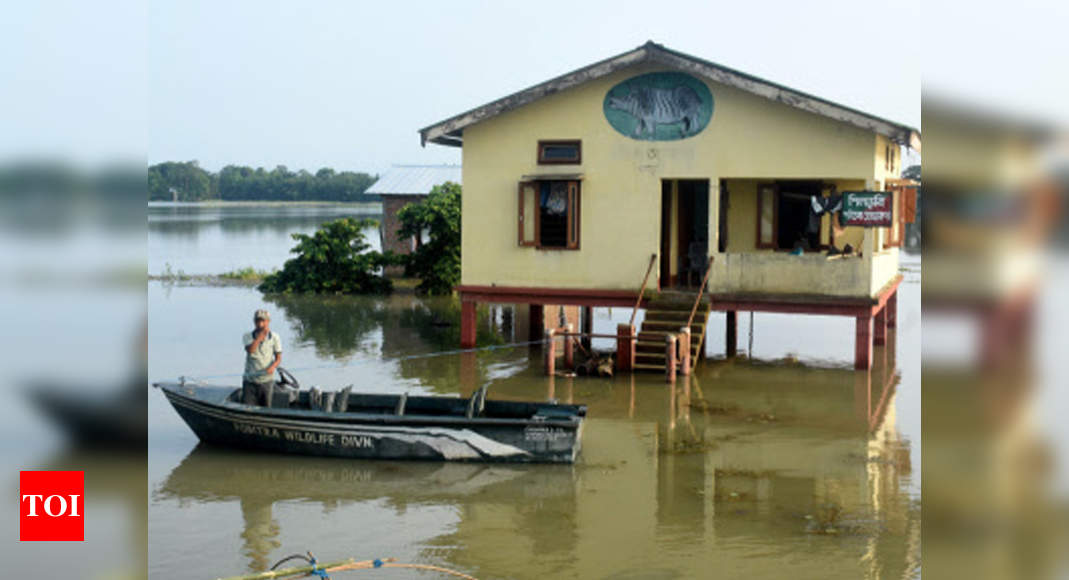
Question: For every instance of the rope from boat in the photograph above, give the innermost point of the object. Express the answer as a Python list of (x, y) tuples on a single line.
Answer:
[(195, 379), (343, 566), (365, 566)]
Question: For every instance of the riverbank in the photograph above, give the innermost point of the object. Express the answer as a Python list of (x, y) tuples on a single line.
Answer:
[(250, 277)]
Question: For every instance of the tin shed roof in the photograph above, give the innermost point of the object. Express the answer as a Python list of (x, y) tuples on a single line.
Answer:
[(414, 179), (451, 131)]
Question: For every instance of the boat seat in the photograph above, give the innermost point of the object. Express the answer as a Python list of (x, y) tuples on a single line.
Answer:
[(327, 402), (401, 401), (342, 401)]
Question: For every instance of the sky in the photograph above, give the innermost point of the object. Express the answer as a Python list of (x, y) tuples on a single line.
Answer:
[(349, 84)]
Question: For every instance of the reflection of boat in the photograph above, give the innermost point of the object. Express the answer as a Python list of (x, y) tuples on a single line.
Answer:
[(94, 418), (371, 426), (212, 474)]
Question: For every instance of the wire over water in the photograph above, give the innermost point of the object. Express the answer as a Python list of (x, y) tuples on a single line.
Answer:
[(361, 362)]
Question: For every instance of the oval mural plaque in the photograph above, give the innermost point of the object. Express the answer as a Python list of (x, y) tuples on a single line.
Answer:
[(661, 106)]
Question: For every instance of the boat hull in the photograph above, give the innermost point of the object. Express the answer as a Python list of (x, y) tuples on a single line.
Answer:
[(216, 419)]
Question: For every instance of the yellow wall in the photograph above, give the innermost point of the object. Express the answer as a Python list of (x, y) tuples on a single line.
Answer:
[(748, 137)]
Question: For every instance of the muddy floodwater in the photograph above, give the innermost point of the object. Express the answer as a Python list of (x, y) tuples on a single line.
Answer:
[(783, 462)]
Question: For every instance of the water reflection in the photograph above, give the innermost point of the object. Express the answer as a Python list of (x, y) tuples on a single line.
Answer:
[(258, 482), (337, 326), (792, 463), (191, 220), (748, 468)]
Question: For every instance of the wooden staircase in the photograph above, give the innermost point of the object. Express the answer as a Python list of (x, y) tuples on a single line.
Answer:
[(665, 315)]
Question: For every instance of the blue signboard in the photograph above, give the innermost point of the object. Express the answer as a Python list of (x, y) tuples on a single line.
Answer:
[(661, 106)]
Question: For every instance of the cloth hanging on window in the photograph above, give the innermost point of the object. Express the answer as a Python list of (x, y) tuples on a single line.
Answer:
[(555, 198), (819, 206)]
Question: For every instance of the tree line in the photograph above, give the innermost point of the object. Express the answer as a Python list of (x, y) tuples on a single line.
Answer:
[(188, 181)]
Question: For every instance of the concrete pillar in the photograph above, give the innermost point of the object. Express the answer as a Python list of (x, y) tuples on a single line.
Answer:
[(550, 349), (731, 333), (880, 327), (625, 347), (670, 349), (892, 309), (684, 350), (863, 343), (467, 324)]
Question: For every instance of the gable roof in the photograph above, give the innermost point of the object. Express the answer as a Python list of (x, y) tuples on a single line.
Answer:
[(413, 179), (451, 131)]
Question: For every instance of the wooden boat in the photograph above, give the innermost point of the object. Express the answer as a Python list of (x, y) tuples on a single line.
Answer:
[(372, 426)]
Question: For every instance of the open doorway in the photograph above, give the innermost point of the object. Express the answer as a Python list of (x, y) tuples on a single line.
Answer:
[(793, 213), (684, 231)]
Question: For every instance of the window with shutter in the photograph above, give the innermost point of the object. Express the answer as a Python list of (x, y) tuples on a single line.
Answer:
[(528, 213), (766, 215), (548, 216)]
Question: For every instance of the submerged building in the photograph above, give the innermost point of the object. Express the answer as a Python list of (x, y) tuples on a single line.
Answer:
[(654, 160), (400, 186)]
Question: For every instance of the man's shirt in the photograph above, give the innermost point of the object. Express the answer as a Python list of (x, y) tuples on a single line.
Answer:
[(257, 361)]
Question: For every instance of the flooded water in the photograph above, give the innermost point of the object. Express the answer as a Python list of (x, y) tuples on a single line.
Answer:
[(786, 464)]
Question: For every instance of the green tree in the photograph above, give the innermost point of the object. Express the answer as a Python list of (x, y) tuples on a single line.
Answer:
[(333, 260), (912, 172), (187, 180), (236, 182), (437, 262)]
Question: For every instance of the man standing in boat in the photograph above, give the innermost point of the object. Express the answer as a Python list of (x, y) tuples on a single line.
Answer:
[(263, 354)]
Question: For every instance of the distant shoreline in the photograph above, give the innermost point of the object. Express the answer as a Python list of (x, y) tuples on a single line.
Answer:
[(238, 203)]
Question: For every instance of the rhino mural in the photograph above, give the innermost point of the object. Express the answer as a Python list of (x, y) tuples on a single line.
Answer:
[(659, 106)]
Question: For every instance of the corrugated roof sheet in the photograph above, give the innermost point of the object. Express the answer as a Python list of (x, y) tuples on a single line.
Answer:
[(414, 179)]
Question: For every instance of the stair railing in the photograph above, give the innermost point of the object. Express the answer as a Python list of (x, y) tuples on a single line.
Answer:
[(642, 291), (701, 291)]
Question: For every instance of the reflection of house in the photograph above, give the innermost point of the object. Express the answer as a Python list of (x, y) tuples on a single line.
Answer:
[(674, 481), (572, 184), (400, 186)]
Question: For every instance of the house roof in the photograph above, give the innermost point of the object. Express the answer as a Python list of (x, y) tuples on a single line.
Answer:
[(451, 130), (414, 179)]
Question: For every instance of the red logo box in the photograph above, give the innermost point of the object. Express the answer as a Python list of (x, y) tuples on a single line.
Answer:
[(51, 506)]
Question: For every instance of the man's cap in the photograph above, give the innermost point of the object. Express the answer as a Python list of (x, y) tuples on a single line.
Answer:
[(262, 314)]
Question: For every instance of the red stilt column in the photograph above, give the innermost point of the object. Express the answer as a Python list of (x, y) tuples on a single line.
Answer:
[(892, 309), (863, 343), (731, 334), (684, 350), (468, 376), (467, 324), (625, 347), (551, 352), (670, 350), (880, 336), (535, 322)]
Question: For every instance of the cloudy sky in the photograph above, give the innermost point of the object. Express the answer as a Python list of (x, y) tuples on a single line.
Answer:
[(348, 84)]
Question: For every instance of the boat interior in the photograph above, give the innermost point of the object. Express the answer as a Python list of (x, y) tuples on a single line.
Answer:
[(285, 396)]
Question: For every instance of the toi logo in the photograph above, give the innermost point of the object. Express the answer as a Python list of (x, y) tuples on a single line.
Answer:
[(51, 506)]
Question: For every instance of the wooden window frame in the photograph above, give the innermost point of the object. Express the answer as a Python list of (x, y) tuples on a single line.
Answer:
[(573, 235), (772, 245), (904, 204), (542, 144), (894, 235)]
